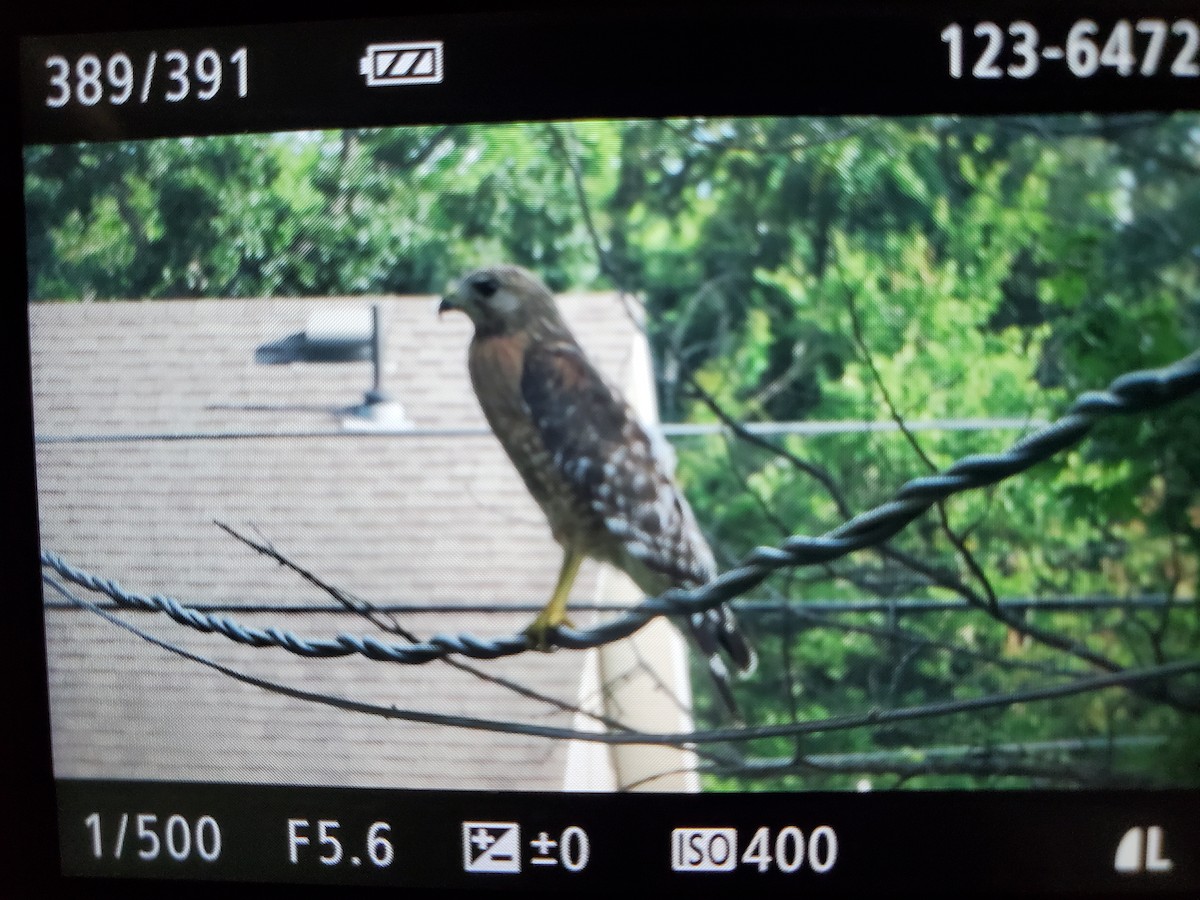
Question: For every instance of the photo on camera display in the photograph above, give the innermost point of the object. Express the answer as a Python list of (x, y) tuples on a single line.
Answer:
[(247, 400)]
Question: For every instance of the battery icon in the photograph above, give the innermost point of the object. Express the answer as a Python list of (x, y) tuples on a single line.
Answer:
[(415, 62)]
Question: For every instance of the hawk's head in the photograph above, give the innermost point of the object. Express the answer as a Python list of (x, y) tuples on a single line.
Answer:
[(503, 300)]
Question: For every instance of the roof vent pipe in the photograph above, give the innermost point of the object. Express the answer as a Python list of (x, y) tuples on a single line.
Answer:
[(378, 409)]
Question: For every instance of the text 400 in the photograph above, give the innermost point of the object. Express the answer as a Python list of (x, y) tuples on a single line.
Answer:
[(789, 849)]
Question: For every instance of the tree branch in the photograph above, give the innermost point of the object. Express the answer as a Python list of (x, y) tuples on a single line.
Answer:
[(365, 609)]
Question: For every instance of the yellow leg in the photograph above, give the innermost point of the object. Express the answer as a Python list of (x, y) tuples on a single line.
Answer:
[(555, 613)]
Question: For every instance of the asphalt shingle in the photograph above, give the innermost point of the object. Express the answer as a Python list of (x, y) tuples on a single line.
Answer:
[(438, 516)]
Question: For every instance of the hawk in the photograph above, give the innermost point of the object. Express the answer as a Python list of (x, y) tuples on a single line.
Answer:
[(605, 487)]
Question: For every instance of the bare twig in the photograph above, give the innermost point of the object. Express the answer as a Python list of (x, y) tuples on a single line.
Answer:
[(366, 610), (955, 539), (350, 602), (992, 607)]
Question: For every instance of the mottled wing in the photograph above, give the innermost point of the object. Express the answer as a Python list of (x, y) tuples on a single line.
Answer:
[(604, 454)]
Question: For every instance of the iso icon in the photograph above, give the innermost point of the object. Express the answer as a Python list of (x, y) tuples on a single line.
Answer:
[(415, 62), (704, 849)]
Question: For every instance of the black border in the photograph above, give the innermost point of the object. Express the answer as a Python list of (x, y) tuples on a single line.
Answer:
[(29, 831), (823, 58)]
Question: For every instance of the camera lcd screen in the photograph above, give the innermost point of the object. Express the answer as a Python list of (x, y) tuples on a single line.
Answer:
[(536, 450)]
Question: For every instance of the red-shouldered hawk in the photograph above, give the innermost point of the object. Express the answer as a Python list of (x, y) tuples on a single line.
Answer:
[(584, 456)]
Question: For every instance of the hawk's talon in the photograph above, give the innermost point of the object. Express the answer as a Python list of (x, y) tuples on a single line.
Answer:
[(542, 627)]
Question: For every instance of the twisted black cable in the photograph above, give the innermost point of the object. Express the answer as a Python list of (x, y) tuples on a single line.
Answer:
[(871, 717), (1135, 392)]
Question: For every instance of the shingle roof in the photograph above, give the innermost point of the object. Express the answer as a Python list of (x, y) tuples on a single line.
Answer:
[(420, 518)]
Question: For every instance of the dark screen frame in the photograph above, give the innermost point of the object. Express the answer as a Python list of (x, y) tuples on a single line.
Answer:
[(30, 825)]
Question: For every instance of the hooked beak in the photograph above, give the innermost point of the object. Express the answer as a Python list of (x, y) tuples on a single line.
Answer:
[(447, 304)]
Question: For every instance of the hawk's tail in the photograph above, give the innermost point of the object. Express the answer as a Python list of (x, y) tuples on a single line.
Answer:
[(717, 634)]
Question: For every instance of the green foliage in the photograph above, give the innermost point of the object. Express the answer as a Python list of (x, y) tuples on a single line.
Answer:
[(794, 269)]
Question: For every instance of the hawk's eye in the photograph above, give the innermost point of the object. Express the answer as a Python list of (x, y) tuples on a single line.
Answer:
[(486, 286)]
